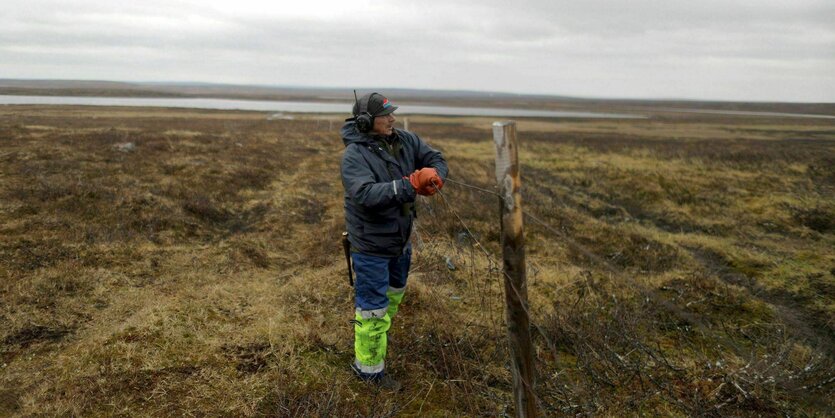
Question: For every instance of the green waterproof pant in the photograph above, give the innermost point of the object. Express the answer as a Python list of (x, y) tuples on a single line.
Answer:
[(370, 342), (395, 297), (370, 335)]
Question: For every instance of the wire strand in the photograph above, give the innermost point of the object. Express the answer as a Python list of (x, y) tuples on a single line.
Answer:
[(573, 243), (511, 285)]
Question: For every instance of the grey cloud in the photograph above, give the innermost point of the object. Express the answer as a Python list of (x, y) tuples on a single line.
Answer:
[(590, 48)]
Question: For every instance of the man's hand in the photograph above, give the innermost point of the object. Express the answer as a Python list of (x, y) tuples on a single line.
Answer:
[(435, 183), (425, 180)]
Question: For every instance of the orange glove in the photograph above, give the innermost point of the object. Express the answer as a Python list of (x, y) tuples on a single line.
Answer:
[(434, 180), (422, 180)]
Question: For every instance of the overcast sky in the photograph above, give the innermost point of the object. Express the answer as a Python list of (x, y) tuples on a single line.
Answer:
[(697, 49)]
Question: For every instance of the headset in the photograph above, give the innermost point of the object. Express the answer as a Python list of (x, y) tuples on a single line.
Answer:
[(363, 119)]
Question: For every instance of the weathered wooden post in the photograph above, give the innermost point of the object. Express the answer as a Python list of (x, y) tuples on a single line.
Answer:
[(405, 124), (513, 255)]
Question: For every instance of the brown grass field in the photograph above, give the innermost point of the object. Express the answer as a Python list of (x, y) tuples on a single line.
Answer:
[(688, 268)]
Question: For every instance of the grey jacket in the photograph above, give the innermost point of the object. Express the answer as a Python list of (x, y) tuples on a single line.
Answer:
[(376, 192)]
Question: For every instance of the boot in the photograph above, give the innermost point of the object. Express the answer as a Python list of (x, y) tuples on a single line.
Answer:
[(389, 383), (380, 379)]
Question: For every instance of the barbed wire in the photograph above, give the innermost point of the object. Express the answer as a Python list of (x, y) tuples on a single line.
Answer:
[(625, 333), (577, 246), (508, 280)]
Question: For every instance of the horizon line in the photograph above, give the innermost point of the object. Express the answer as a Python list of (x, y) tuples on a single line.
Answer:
[(181, 83)]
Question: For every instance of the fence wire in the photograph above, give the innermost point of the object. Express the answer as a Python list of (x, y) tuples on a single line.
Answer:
[(603, 362)]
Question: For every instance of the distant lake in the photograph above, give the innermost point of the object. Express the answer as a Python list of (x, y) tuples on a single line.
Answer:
[(744, 113), (300, 107)]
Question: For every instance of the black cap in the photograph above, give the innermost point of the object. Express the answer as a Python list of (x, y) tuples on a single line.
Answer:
[(376, 104)]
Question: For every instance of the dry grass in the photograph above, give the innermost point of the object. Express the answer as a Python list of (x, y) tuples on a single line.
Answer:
[(689, 268)]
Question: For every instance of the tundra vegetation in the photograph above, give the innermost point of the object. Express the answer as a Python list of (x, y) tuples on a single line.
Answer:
[(168, 262)]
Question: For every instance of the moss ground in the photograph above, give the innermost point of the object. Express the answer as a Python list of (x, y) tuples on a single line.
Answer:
[(687, 268)]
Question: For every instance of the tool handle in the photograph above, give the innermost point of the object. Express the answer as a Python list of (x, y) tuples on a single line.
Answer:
[(346, 246)]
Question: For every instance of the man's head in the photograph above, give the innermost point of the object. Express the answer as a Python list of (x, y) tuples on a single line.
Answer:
[(374, 114)]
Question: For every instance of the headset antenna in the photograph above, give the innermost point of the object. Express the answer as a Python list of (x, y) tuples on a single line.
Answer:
[(356, 100)]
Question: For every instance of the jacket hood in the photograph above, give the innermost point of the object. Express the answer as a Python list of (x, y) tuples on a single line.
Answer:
[(351, 135)]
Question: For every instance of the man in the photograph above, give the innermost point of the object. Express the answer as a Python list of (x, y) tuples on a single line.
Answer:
[(383, 169)]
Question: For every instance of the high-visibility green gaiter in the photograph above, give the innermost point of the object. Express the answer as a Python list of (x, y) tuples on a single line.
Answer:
[(395, 297), (370, 339)]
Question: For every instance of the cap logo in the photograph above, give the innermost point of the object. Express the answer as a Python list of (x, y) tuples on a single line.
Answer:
[(386, 103)]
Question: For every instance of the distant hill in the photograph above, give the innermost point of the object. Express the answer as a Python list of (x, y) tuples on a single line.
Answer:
[(200, 89), (106, 88)]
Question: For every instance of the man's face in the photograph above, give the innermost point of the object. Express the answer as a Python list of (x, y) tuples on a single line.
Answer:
[(384, 125)]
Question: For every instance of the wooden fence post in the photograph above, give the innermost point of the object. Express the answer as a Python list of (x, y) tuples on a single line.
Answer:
[(405, 124), (513, 255)]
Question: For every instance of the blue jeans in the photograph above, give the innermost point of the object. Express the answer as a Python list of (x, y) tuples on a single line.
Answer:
[(375, 275)]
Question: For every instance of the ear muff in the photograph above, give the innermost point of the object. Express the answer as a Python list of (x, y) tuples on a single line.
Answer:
[(365, 120)]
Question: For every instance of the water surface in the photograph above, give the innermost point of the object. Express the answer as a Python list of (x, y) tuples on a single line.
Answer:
[(300, 107)]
